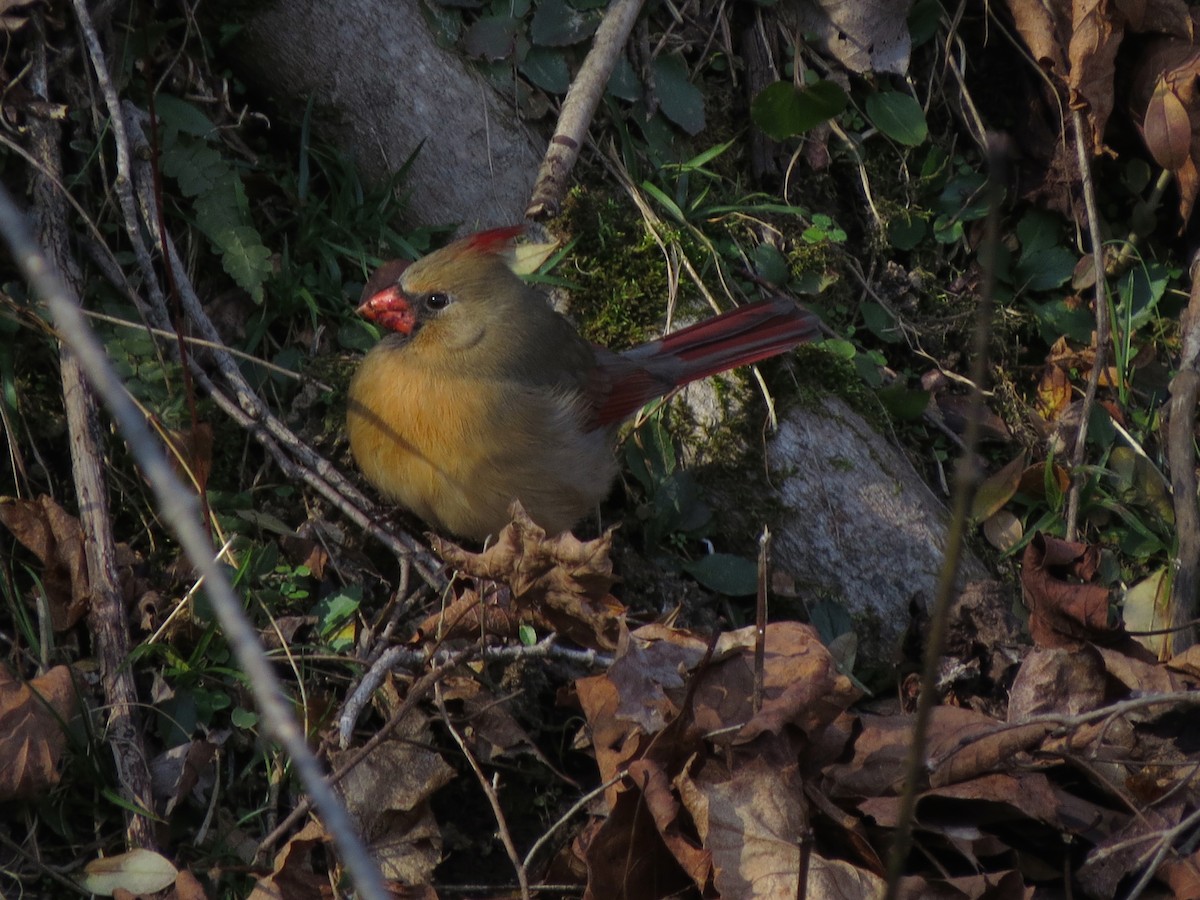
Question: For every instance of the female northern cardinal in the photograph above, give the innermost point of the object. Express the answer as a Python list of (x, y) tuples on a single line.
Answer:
[(483, 394)]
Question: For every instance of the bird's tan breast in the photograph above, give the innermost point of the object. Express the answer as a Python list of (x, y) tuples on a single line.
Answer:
[(456, 448)]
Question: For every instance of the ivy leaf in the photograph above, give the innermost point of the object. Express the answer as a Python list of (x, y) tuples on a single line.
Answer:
[(492, 37), (783, 111), (733, 576), (555, 24), (680, 100), (547, 69), (898, 116)]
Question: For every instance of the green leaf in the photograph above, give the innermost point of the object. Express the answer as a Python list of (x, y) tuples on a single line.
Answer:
[(556, 24), (906, 230), (1046, 269), (880, 322), (679, 99), (243, 718), (1057, 319), (1039, 230), (733, 576), (244, 258), (492, 37), (547, 69), (782, 111), (770, 264), (963, 198), (1140, 292), (624, 83), (526, 635), (335, 609), (898, 116), (903, 403), (177, 115), (194, 165), (923, 21)]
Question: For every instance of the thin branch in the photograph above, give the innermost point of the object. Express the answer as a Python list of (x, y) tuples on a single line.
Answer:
[(579, 107), (107, 621), (1102, 331), (306, 463), (489, 791), (1181, 428), (965, 480), (178, 508)]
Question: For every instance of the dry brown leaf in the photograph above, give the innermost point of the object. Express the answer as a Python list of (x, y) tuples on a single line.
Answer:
[(1053, 393), (1182, 876), (493, 731), (1164, 86), (802, 686), (1057, 681), (388, 796), (1123, 849), (664, 807), (1064, 613), (292, 876), (1033, 480), (865, 36), (751, 820), (1007, 885), (878, 765), (176, 772), (626, 857), (138, 872), (632, 702), (1167, 127), (32, 735), (998, 488), (56, 538), (564, 581)]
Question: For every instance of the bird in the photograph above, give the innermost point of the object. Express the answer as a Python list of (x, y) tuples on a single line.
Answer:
[(480, 393)]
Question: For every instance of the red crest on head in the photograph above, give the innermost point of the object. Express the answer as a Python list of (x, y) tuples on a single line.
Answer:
[(495, 240)]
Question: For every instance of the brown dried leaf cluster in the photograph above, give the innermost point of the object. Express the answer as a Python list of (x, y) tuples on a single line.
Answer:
[(558, 584), (1078, 44)]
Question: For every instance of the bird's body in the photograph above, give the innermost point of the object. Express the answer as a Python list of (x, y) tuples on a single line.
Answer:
[(484, 394)]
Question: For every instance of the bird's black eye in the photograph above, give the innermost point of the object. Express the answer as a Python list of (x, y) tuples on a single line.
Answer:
[(437, 301)]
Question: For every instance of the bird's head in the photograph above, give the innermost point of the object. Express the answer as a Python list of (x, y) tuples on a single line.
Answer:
[(453, 292)]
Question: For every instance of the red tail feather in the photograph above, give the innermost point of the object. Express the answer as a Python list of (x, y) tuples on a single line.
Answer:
[(746, 335)]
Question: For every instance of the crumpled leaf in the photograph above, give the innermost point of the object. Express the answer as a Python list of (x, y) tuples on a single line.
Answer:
[(55, 537), (865, 36), (292, 874), (32, 739), (388, 795), (1062, 612), (566, 583)]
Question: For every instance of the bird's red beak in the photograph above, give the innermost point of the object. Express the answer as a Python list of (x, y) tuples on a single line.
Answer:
[(389, 309)]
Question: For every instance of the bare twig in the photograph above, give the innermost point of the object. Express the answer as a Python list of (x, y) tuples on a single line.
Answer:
[(301, 460), (106, 614), (177, 507), (576, 807), (1181, 425), (966, 477), (579, 107), (760, 618), (416, 693), (489, 791), (1102, 330)]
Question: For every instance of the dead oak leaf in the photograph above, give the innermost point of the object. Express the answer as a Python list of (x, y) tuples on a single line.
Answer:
[(32, 739), (564, 581), (1066, 607), (55, 537)]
